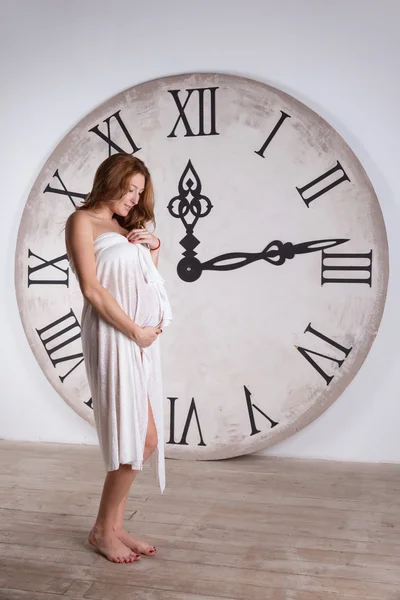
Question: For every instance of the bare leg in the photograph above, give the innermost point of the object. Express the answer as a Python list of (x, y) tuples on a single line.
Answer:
[(134, 544), (103, 535)]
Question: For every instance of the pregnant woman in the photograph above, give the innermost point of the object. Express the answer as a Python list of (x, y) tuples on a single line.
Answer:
[(125, 308)]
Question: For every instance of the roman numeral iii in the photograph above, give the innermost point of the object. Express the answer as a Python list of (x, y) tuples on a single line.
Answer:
[(358, 273)]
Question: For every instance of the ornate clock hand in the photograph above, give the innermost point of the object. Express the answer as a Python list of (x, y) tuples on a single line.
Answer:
[(190, 268), (199, 205)]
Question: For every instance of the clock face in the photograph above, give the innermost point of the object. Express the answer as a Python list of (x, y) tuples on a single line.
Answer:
[(274, 255)]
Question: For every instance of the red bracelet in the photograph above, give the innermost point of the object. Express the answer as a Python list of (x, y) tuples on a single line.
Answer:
[(157, 247)]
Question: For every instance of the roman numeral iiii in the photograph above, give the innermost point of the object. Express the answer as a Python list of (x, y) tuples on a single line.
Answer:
[(307, 353)]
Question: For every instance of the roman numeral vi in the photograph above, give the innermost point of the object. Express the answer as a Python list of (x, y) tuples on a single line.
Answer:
[(192, 411)]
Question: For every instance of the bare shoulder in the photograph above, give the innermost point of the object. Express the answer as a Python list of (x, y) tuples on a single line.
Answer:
[(78, 220), (78, 231), (79, 244)]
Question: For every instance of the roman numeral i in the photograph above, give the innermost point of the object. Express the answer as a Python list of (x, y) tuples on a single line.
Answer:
[(273, 133)]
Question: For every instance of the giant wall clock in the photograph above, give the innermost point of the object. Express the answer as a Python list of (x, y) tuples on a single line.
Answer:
[(274, 255)]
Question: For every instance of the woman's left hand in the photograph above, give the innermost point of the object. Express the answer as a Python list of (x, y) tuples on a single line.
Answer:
[(142, 236)]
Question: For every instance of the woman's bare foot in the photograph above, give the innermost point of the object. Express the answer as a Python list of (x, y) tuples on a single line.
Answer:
[(111, 546), (138, 546)]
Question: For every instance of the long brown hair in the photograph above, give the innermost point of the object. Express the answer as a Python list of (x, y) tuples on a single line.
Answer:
[(111, 182)]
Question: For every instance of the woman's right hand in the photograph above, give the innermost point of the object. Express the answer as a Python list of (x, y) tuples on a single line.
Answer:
[(147, 335)]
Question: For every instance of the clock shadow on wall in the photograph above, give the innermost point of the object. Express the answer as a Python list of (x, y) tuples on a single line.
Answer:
[(275, 257)]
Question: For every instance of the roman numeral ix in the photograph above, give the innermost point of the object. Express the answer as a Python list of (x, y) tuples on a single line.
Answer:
[(48, 263)]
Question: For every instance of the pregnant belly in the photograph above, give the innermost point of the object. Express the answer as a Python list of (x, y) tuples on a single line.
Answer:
[(148, 309)]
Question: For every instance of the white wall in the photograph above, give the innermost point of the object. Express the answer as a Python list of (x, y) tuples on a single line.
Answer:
[(61, 58)]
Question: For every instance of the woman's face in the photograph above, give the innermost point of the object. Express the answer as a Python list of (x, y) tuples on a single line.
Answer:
[(131, 198)]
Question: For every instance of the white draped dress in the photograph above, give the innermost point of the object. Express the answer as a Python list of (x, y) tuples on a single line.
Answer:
[(122, 376)]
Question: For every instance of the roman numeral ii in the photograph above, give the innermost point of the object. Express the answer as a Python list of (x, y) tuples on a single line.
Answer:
[(334, 177)]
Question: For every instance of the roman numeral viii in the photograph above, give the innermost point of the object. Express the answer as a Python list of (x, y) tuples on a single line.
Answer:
[(306, 352), (192, 411), (202, 96), (56, 338)]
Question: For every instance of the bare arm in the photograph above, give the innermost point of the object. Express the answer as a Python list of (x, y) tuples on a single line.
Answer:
[(79, 234), (154, 256)]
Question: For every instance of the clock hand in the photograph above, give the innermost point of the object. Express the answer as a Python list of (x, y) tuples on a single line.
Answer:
[(276, 253), (189, 202)]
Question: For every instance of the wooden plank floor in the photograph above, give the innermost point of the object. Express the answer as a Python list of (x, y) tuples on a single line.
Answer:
[(249, 528)]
